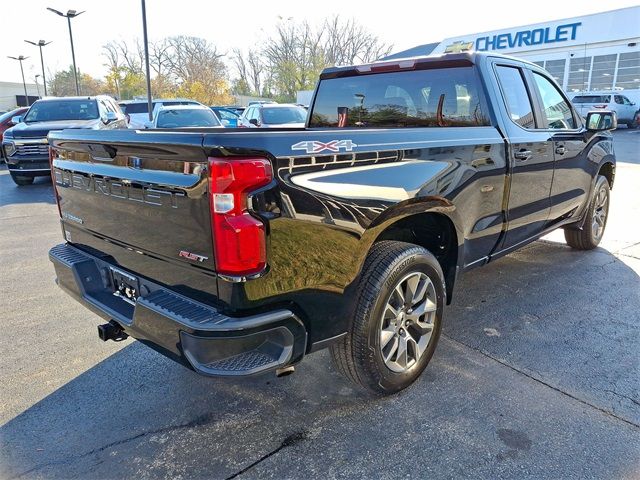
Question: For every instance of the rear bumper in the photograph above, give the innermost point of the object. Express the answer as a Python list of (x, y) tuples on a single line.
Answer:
[(189, 332)]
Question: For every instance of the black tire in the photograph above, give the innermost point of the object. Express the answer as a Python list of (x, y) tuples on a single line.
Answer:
[(358, 355), (588, 238), (21, 180)]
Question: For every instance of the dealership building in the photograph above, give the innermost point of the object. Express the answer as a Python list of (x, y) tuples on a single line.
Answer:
[(592, 52)]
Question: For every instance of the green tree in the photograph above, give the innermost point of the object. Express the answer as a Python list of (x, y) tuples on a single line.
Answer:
[(63, 84)]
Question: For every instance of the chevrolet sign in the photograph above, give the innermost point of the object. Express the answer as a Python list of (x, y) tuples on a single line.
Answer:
[(537, 36)]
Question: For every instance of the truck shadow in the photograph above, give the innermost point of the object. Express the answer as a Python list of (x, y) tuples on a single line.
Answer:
[(117, 417), (40, 192)]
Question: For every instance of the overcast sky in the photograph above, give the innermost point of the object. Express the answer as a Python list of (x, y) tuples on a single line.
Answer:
[(244, 24)]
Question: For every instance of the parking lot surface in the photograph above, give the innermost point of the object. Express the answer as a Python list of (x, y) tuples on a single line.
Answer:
[(537, 375)]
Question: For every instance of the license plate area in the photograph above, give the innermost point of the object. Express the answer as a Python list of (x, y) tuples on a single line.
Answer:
[(125, 285)]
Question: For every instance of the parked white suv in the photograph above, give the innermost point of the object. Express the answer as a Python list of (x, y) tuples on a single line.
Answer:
[(625, 109), (137, 111)]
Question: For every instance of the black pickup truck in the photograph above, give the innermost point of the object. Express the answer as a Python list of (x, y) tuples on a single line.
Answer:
[(236, 252), (25, 146)]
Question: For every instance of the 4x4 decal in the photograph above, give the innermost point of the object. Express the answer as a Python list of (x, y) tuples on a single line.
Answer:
[(313, 146)]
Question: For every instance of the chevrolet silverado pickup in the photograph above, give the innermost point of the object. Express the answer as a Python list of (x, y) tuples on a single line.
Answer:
[(25, 145), (237, 251)]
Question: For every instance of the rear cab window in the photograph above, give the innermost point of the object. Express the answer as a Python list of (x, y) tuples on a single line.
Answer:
[(591, 99), (438, 97)]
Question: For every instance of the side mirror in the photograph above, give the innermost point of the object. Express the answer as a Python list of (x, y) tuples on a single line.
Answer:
[(254, 121), (109, 117), (16, 120), (148, 124), (600, 121)]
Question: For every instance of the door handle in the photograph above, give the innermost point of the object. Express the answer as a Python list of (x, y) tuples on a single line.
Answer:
[(560, 150), (522, 154)]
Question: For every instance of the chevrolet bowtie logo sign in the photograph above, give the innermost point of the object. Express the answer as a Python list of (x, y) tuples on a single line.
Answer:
[(458, 47)]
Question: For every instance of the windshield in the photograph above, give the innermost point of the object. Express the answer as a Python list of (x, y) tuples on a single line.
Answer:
[(282, 115), (592, 99), (53, 110), (187, 118)]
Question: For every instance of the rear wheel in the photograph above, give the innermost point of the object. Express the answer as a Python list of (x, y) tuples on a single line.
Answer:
[(593, 229), (21, 180), (400, 302)]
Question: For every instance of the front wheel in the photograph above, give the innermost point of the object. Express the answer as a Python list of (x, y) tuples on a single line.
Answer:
[(593, 229), (21, 180), (398, 316)]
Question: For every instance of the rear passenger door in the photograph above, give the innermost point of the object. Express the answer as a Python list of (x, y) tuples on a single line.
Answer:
[(530, 153), (573, 171)]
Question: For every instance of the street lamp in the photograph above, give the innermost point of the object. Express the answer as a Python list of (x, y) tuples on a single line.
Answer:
[(37, 84), (146, 59), (24, 84), (41, 43), (69, 15)]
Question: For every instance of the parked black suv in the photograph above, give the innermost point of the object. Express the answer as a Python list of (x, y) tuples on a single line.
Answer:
[(25, 145)]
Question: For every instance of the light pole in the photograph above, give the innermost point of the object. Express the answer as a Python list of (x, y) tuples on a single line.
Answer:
[(69, 15), (24, 84), (146, 60), (41, 43), (37, 84)]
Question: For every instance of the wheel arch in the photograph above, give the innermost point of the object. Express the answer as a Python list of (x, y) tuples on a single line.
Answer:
[(433, 226)]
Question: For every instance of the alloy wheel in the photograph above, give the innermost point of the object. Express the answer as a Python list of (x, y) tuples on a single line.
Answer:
[(408, 322)]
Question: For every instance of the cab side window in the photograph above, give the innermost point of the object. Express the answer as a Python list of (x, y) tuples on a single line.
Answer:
[(555, 108), (516, 96)]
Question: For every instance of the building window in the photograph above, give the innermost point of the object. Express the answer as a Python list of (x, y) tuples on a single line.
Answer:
[(602, 74), (556, 69), (628, 71), (579, 74)]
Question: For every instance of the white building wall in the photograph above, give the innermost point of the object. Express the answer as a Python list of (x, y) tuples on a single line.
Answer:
[(9, 90), (577, 51)]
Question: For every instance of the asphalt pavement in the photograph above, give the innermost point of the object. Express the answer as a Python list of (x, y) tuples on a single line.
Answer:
[(537, 376)]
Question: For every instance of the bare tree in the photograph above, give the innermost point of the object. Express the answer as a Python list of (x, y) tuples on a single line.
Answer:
[(193, 58), (347, 43), (294, 57), (256, 69), (159, 56), (250, 68)]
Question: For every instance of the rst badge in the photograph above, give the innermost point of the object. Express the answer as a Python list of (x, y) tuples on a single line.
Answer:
[(313, 146), (192, 256)]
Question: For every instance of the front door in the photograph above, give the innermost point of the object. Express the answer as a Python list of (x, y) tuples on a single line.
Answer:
[(573, 171)]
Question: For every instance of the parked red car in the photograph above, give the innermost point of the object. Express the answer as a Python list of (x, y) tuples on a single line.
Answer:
[(5, 119)]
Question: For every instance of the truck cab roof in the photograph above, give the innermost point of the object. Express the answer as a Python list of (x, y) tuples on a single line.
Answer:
[(415, 63)]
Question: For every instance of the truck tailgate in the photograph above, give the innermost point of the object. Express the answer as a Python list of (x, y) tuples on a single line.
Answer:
[(143, 191)]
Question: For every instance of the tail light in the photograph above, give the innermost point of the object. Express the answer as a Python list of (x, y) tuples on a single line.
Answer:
[(239, 239), (52, 154)]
